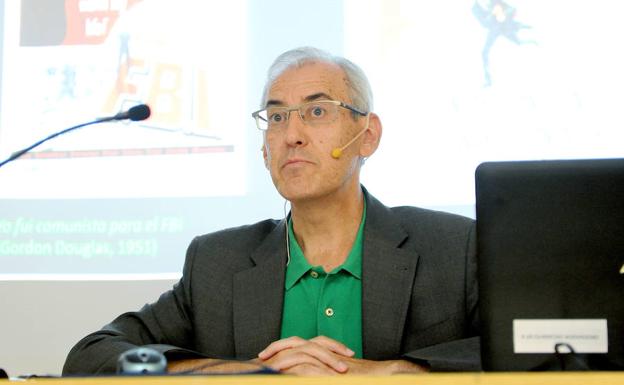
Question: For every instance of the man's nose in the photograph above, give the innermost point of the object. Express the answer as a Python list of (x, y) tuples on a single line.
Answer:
[(295, 129)]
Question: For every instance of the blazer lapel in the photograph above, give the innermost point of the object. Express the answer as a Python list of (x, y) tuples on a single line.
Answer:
[(259, 296), (387, 279)]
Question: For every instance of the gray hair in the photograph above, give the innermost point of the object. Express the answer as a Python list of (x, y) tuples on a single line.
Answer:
[(359, 88)]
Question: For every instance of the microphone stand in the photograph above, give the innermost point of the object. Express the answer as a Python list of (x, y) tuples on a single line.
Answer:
[(19, 153), (139, 112)]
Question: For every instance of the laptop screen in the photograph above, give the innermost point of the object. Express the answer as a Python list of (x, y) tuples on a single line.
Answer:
[(551, 264)]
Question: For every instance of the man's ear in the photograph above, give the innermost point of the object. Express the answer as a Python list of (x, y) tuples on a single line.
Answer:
[(265, 155), (371, 137)]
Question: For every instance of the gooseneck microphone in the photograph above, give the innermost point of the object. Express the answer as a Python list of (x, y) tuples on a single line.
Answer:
[(136, 113), (337, 152)]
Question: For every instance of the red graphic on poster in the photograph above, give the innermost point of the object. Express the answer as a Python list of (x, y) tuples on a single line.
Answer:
[(69, 22)]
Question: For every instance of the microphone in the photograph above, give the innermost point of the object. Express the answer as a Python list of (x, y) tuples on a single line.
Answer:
[(136, 113), (336, 153)]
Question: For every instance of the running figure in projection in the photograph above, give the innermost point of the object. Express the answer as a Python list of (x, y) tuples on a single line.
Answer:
[(499, 18)]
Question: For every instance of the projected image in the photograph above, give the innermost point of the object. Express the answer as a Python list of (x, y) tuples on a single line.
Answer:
[(68, 62), (455, 83), (461, 82)]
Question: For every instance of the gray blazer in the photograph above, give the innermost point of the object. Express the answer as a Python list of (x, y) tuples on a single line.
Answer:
[(419, 295)]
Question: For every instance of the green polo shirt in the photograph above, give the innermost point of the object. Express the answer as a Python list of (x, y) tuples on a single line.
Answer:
[(329, 304)]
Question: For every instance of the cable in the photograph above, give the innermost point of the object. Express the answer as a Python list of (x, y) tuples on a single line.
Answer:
[(286, 218)]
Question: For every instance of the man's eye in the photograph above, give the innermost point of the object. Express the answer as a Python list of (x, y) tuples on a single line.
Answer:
[(317, 111), (276, 117)]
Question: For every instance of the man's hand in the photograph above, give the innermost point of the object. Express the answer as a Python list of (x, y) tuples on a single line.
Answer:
[(319, 355), (324, 356)]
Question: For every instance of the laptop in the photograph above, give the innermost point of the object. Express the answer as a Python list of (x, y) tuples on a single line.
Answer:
[(551, 264)]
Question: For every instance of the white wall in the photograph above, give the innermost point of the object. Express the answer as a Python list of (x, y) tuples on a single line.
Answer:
[(41, 320)]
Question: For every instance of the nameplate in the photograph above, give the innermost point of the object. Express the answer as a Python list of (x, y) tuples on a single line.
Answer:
[(541, 335)]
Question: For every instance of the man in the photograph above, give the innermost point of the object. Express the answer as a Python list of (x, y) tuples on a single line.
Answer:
[(342, 285)]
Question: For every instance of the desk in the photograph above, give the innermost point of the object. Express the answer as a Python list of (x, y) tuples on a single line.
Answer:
[(550, 378)]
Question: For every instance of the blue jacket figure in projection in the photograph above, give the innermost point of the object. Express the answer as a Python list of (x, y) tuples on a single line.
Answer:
[(498, 18)]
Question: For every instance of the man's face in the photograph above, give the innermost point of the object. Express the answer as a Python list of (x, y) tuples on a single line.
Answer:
[(299, 155)]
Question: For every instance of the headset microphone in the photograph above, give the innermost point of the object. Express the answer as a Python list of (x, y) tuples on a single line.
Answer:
[(336, 153)]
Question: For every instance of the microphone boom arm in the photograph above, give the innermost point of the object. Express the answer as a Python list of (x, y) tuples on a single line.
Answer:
[(19, 153), (139, 112)]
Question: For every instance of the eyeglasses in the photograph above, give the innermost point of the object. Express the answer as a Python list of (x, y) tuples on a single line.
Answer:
[(313, 113)]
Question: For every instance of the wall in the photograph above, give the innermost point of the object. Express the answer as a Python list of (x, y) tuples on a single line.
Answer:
[(41, 320)]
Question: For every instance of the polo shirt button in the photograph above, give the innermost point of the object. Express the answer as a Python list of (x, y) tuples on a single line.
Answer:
[(314, 274), (329, 312)]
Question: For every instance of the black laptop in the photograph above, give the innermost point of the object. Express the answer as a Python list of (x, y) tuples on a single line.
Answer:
[(551, 264)]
